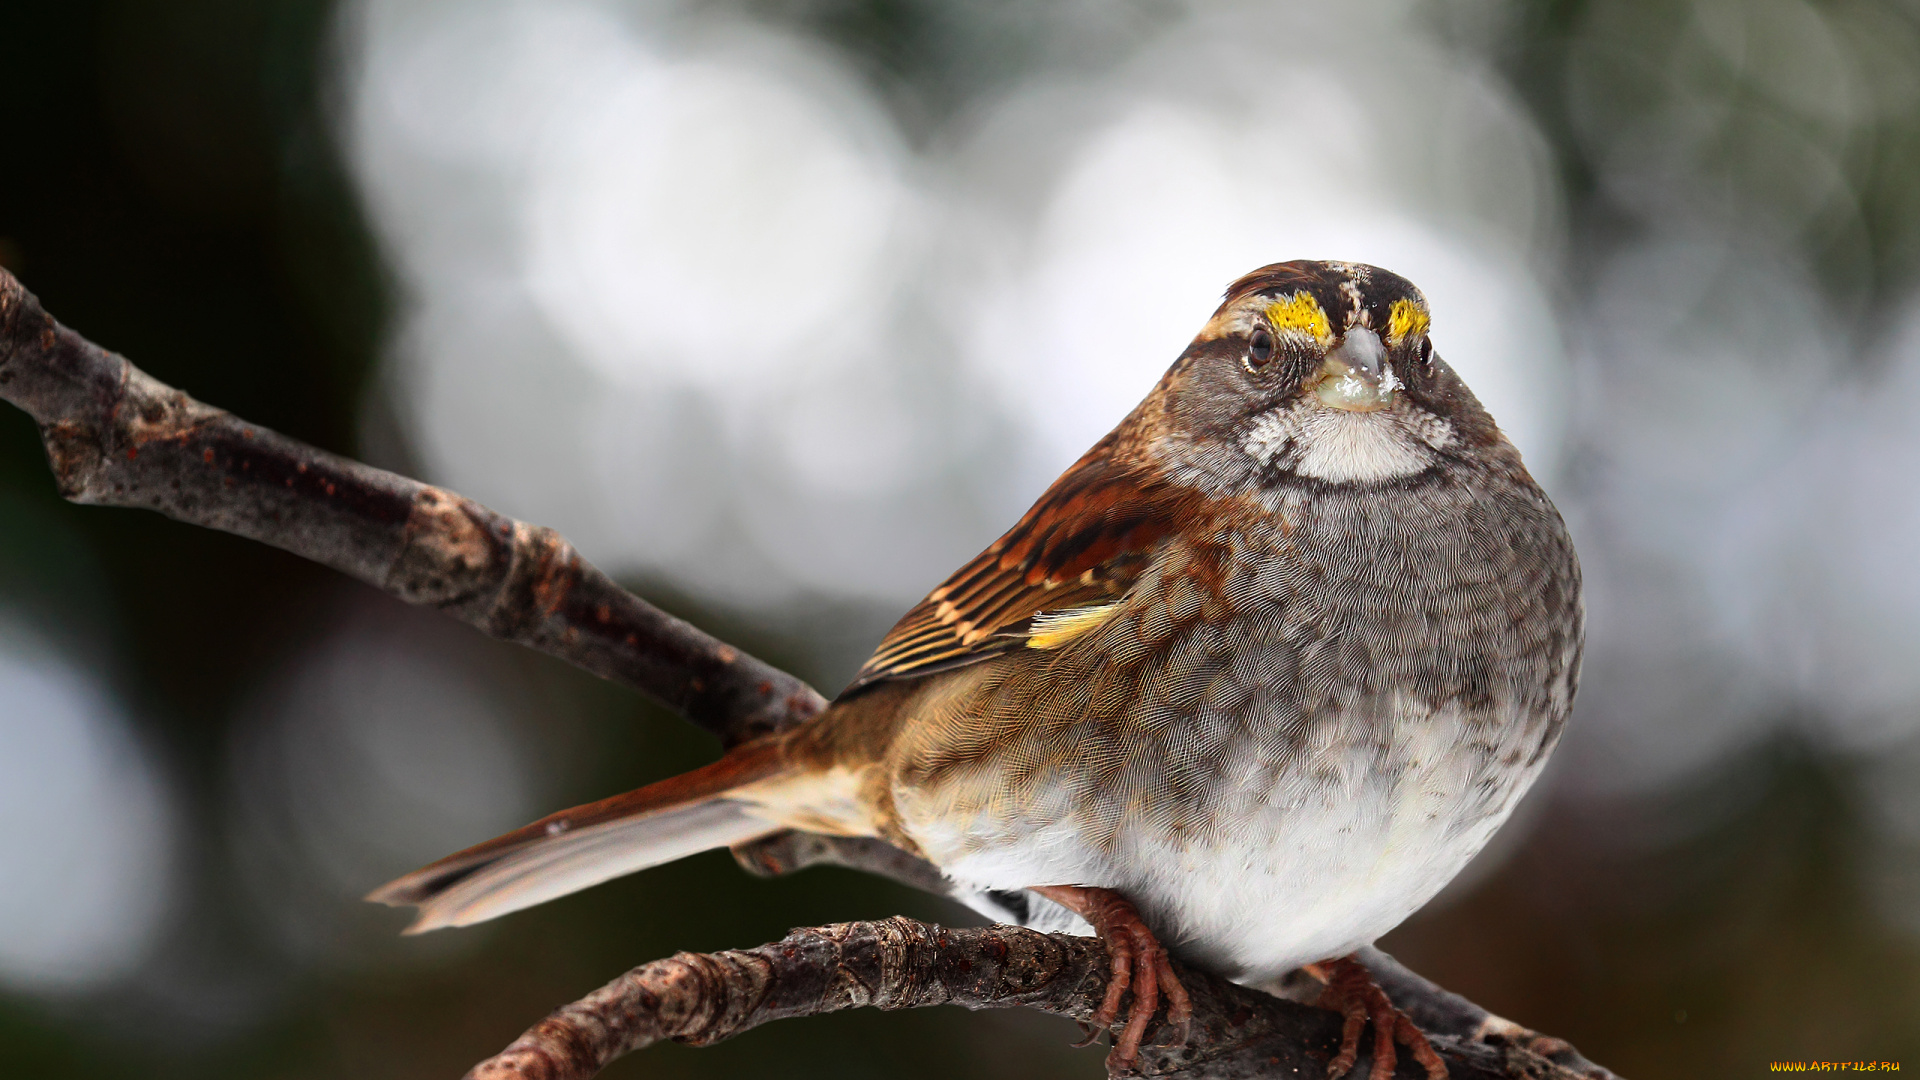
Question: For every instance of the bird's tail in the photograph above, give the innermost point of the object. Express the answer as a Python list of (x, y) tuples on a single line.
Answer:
[(712, 806)]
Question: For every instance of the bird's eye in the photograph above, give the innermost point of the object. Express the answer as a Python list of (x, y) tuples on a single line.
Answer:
[(1426, 352), (1259, 348)]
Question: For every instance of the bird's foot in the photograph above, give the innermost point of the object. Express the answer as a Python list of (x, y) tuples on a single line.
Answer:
[(1139, 962), (1353, 994)]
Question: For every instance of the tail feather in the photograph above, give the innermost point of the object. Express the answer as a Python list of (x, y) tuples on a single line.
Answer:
[(577, 848)]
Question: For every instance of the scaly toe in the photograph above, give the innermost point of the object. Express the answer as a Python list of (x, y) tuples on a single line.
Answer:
[(1352, 993), (1117, 985), (1179, 1004), (1353, 1017), (1415, 1040), (1146, 999), (1385, 1057), (1139, 963)]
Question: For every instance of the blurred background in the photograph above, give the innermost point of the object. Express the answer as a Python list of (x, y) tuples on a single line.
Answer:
[(780, 309)]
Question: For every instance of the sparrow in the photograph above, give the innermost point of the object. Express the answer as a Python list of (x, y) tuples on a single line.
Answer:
[(1249, 684)]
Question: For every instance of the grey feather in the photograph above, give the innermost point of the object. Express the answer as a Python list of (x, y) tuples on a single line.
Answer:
[(553, 866)]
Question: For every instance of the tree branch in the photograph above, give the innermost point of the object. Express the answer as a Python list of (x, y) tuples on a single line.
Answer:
[(116, 436), (898, 963)]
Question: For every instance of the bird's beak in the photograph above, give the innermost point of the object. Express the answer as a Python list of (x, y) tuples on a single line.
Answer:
[(1355, 376)]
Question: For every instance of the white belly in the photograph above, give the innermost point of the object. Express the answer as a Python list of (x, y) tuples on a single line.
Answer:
[(1351, 839)]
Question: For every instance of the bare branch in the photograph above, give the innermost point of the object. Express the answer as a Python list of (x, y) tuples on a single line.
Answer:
[(702, 998), (115, 436)]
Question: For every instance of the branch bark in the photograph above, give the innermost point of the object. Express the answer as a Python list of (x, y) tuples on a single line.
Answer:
[(702, 998), (116, 436)]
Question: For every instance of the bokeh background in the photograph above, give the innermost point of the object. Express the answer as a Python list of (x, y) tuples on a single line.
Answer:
[(780, 309)]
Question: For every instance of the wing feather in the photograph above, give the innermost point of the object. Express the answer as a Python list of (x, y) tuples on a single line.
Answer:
[(1082, 544)]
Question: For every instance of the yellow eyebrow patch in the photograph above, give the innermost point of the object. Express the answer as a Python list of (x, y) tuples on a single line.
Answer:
[(1405, 319), (1301, 314), (1052, 629)]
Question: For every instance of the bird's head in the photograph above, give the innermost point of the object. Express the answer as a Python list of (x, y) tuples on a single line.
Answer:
[(1316, 371)]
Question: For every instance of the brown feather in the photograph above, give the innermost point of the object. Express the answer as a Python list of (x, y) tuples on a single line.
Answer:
[(1081, 544), (739, 767)]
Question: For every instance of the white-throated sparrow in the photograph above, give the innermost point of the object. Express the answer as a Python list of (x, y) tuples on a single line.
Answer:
[(1254, 678)]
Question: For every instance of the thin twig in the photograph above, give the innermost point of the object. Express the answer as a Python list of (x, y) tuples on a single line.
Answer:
[(116, 436)]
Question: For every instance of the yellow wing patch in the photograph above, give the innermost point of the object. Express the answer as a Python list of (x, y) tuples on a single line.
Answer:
[(1052, 629), (1300, 314), (1405, 319)]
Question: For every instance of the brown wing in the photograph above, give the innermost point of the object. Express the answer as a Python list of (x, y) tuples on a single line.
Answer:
[(1083, 543)]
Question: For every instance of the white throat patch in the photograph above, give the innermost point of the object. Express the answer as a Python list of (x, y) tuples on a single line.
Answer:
[(1339, 446)]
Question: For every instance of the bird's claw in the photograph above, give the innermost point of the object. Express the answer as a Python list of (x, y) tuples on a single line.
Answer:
[(1352, 993), (1139, 963)]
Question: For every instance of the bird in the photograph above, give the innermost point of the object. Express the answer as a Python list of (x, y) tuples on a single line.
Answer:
[(1246, 686)]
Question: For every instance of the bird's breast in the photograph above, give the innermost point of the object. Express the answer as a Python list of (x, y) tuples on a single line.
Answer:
[(1347, 694)]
